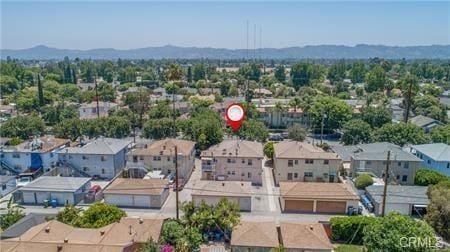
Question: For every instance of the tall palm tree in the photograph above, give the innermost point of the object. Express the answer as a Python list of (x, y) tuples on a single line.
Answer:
[(173, 72), (295, 102), (409, 86)]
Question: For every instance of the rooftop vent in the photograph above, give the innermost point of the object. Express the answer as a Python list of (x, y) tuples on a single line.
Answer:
[(47, 229), (311, 227), (66, 240), (141, 221), (102, 232), (223, 184)]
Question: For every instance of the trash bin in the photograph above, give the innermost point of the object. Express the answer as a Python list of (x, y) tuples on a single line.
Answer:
[(54, 203)]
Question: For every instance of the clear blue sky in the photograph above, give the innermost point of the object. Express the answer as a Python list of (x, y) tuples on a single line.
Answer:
[(124, 25)]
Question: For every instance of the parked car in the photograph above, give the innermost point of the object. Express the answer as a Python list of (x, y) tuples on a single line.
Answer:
[(90, 196), (275, 137)]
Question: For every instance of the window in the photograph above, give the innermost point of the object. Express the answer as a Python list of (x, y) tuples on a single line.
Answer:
[(233, 173), (290, 163), (398, 177), (103, 171), (404, 178), (208, 162), (448, 165), (250, 162), (326, 161), (243, 174), (295, 175), (85, 169), (368, 162), (249, 175), (243, 161), (103, 158), (296, 162), (229, 160), (169, 171), (229, 172), (406, 165), (168, 158), (399, 163), (3, 187), (309, 161), (156, 158), (84, 157), (51, 154), (289, 176), (429, 161), (309, 174), (141, 157), (15, 155)]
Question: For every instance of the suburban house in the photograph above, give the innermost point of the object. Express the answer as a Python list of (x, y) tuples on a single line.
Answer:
[(373, 158), (299, 161), (102, 157), (125, 236), (425, 122), (160, 154), (407, 200), (7, 184), (315, 197), (211, 192), (65, 190), (262, 92), (302, 237), (434, 156), (89, 110), (233, 160), (139, 193), (39, 152), (259, 236), (345, 153), (284, 116)]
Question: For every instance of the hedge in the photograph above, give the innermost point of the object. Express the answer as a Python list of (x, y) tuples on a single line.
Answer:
[(425, 177), (363, 180), (349, 229)]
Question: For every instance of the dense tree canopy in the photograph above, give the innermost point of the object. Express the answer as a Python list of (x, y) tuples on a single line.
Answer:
[(332, 111), (401, 134), (356, 131)]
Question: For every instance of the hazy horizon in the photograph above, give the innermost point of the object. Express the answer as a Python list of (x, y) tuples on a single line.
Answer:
[(131, 25)]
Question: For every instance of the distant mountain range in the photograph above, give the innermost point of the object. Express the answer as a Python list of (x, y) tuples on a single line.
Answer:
[(171, 52)]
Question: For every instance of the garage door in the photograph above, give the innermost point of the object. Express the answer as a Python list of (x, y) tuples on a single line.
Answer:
[(299, 205), (142, 201), (331, 207), (119, 200)]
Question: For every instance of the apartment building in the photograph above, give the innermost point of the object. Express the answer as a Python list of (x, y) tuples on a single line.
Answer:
[(159, 155), (303, 162), (102, 157), (234, 160)]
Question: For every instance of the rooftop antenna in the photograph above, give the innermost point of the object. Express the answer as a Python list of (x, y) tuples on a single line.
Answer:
[(254, 42), (96, 95), (260, 42)]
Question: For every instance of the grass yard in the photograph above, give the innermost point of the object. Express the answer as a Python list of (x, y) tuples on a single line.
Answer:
[(349, 248)]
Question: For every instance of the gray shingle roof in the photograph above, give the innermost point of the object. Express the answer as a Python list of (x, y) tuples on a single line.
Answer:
[(399, 194), (437, 151), (59, 184), (102, 146), (378, 151), (423, 121)]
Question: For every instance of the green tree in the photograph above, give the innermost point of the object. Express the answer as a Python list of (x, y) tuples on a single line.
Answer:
[(162, 110), (438, 210), (99, 215), (296, 132), (426, 177), (69, 214), (332, 111), (13, 213), (430, 106), (356, 131), (363, 180), (199, 72), (189, 74), (69, 128), (386, 234), (181, 236), (358, 72), (160, 128), (336, 72), (205, 134), (269, 150), (40, 91), (349, 229), (150, 246), (295, 102), (441, 134), (8, 85), (173, 72), (139, 103), (23, 127), (401, 134), (253, 130), (375, 79), (280, 73), (376, 116), (300, 75), (250, 72), (409, 87)]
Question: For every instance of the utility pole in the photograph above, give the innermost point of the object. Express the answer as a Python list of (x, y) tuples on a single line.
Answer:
[(176, 180), (386, 173), (96, 95)]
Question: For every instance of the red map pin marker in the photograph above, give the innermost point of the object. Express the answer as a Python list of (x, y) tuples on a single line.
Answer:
[(235, 115)]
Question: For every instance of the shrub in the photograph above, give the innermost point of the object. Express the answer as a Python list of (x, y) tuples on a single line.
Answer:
[(363, 181), (349, 229), (425, 177)]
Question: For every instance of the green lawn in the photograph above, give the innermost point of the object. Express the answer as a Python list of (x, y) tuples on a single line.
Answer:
[(349, 248)]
